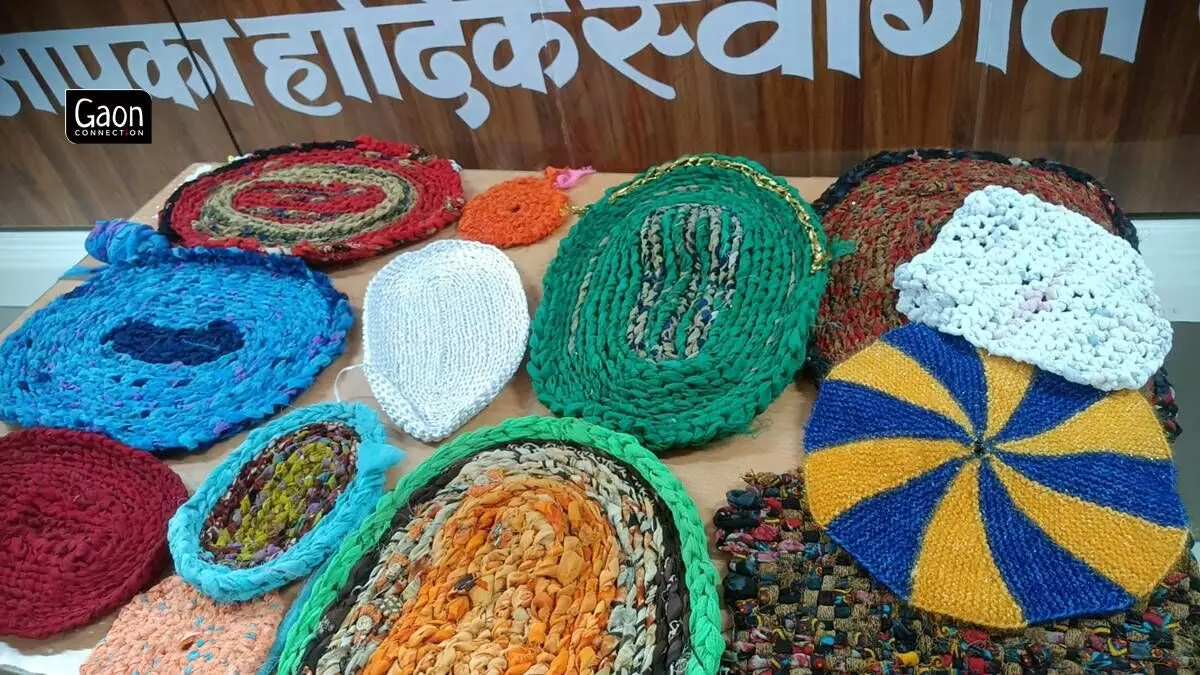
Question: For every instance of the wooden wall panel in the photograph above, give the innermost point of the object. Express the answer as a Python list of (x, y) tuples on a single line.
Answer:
[(45, 181), (1135, 125)]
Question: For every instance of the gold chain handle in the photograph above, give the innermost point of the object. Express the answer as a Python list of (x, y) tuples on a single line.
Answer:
[(821, 257)]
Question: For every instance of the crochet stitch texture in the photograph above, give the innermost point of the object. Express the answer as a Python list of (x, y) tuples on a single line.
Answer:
[(678, 306), (331, 201), (174, 349), (986, 490), (173, 629), (83, 523), (444, 329), (539, 545), (520, 211), (1041, 284), (893, 204), (801, 604), (278, 505)]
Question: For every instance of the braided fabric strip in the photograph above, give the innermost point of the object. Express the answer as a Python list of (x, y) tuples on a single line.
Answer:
[(172, 628), (678, 306), (331, 201), (586, 585), (892, 206), (84, 525), (444, 329), (801, 604), (174, 349), (987, 490), (277, 506)]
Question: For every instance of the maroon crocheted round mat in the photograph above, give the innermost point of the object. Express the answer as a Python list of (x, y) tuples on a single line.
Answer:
[(83, 527), (892, 206), (335, 201)]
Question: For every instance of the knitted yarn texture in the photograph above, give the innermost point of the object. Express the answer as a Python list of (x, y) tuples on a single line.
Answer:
[(1041, 284), (173, 629), (333, 201), (801, 604), (444, 329), (174, 349), (541, 545), (678, 306), (892, 206), (83, 524), (987, 490), (278, 505), (520, 211), (119, 239)]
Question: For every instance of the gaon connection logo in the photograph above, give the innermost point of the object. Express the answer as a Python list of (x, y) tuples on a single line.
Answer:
[(108, 116)]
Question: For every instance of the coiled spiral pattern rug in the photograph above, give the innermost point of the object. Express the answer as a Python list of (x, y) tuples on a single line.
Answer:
[(989, 491), (540, 545), (678, 307), (174, 349), (83, 521), (801, 604), (892, 206), (333, 201), (278, 505)]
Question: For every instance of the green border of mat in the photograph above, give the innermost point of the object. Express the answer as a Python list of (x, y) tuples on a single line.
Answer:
[(704, 620)]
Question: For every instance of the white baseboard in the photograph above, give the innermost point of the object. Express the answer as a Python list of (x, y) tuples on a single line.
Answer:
[(1171, 247), (31, 261)]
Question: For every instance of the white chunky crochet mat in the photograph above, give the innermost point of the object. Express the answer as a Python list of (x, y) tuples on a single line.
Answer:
[(1038, 283), (444, 329)]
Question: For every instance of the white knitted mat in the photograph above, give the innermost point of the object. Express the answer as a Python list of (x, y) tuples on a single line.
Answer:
[(1036, 282), (444, 329)]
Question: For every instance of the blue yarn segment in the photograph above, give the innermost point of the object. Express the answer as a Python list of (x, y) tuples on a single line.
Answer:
[(1049, 401), (119, 239), (848, 411), (289, 620), (147, 342), (146, 350), (884, 532), (952, 361), (1140, 487), (227, 584), (1046, 581)]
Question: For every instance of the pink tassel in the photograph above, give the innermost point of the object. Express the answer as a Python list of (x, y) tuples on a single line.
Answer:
[(565, 179)]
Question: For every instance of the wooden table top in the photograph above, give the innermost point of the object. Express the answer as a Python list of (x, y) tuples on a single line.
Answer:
[(774, 442)]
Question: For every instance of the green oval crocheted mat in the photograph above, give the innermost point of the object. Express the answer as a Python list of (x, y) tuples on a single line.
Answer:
[(539, 545), (679, 306)]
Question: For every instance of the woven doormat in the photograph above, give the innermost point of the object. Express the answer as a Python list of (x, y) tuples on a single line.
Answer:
[(333, 201), (678, 307), (278, 505), (172, 628), (892, 206), (83, 523), (987, 490), (540, 545), (801, 604), (174, 349)]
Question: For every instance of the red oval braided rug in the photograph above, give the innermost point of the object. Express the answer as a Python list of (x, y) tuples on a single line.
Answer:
[(324, 202), (83, 527)]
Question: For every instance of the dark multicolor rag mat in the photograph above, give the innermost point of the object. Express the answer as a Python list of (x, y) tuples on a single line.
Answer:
[(679, 306), (280, 503), (541, 545), (801, 605), (83, 527), (341, 200), (892, 206), (174, 348), (987, 490)]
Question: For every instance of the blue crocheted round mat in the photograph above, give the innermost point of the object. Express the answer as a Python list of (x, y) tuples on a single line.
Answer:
[(174, 349)]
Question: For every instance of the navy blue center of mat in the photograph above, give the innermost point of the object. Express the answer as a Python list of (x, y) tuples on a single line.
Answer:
[(147, 342)]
